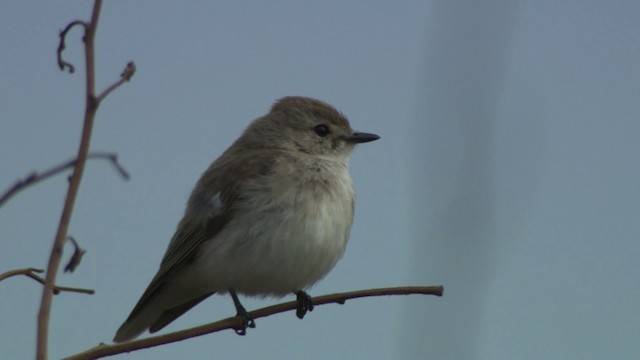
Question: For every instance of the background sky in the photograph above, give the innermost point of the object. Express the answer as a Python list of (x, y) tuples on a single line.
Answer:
[(507, 169)]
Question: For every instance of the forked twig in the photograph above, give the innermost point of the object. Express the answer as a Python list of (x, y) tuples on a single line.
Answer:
[(31, 272), (35, 177)]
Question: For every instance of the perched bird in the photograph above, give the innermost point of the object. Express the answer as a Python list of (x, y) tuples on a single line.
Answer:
[(269, 217)]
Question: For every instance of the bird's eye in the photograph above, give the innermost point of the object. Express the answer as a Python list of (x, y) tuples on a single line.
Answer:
[(321, 130)]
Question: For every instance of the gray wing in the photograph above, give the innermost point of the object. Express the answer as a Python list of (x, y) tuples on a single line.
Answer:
[(191, 233), (148, 314), (208, 211)]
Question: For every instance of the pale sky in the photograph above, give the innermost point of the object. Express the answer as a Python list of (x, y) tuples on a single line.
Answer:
[(507, 169)]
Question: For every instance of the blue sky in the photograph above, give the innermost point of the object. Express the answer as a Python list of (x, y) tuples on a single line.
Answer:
[(507, 169)]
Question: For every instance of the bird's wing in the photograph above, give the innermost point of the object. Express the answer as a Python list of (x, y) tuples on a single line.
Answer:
[(182, 249), (209, 210)]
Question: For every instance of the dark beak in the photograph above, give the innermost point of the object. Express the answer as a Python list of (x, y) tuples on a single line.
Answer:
[(360, 137)]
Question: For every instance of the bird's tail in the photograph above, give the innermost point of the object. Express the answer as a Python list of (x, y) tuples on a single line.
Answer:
[(137, 323), (153, 313)]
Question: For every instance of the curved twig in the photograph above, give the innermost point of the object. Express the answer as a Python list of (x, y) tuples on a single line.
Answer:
[(104, 350), (30, 272), (63, 35)]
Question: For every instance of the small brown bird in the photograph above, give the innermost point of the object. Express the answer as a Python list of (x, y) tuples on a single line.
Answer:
[(269, 217)]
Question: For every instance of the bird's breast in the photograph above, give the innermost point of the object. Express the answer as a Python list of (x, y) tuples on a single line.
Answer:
[(284, 236)]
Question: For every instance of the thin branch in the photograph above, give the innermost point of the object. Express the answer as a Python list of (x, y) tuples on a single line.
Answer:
[(34, 177), (61, 235), (104, 350), (31, 272)]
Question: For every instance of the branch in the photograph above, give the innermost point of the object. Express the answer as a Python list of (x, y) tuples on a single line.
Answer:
[(104, 350), (61, 235), (91, 106), (30, 272), (34, 177)]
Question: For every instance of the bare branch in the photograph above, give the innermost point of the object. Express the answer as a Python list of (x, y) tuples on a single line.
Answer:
[(34, 177), (31, 272), (91, 107), (104, 350)]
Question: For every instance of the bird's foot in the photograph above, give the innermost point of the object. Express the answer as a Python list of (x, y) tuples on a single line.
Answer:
[(247, 322), (241, 312), (305, 303)]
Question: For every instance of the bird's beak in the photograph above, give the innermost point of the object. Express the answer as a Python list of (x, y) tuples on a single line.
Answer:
[(360, 137)]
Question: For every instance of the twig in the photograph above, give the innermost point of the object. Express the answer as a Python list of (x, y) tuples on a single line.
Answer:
[(34, 177), (30, 272), (63, 35), (125, 76), (104, 350)]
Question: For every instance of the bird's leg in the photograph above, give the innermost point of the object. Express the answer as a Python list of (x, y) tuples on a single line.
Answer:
[(305, 303), (247, 320)]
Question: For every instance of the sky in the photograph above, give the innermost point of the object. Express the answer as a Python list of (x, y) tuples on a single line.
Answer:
[(507, 169)]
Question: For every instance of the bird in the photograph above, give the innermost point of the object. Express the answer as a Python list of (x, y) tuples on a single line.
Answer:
[(270, 217)]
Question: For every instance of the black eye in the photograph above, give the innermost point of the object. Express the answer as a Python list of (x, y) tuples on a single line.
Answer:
[(321, 130)]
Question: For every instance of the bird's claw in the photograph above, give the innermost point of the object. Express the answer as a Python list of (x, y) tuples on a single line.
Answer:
[(247, 322), (245, 318), (305, 303)]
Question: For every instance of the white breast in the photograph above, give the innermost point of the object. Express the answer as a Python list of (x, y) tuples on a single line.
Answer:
[(284, 236)]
